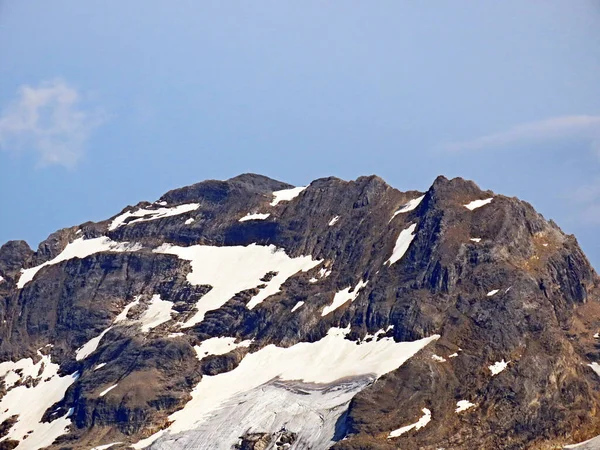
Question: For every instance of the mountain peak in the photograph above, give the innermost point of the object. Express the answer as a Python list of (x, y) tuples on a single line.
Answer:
[(343, 314)]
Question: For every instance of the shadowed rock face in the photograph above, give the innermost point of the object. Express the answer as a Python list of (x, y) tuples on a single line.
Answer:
[(498, 283)]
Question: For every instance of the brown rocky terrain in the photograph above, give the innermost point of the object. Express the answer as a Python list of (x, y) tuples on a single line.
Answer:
[(498, 283)]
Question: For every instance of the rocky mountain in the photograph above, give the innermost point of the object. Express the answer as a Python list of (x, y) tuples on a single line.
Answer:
[(249, 314)]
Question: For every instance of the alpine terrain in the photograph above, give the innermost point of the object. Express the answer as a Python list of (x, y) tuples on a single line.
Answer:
[(250, 314)]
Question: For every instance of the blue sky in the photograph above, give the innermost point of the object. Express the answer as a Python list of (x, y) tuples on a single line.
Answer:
[(104, 104)]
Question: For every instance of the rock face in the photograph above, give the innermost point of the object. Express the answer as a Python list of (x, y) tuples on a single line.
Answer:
[(345, 315)]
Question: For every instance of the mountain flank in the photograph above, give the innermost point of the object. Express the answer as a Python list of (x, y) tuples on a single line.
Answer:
[(251, 314)]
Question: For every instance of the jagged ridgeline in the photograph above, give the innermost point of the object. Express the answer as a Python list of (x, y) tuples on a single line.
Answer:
[(250, 314)]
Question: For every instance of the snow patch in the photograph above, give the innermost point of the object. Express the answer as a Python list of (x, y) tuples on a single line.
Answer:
[(158, 312), (297, 305), (145, 215), (90, 346), (402, 243), (230, 270), (498, 367), (189, 221), (476, 239), (438, 358), (478, 203), (255, 216), (424, 420), (286, 195), (106, 391), (334, 220), (493, 292), (342, 297), (595, 367), (79, 248), (99, 366), (219, 346), (30, 403), (463, 405), (377, 334), (106, 446), (412, 204), (333, 360), (453, 355)]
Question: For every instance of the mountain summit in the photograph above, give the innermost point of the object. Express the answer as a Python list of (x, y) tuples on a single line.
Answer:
[(250, 314)]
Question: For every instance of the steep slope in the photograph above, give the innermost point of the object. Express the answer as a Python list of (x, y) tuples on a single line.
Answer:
[(251, 314)]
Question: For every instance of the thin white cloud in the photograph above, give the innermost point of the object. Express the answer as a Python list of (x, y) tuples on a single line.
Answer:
[(567, 127), (591, 215), (49, 119)]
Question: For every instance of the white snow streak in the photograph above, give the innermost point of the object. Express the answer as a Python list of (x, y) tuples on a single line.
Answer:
[(158, 312), (329, 360), (145, 215), (90, 346), (412, 204), (498, 367), (297, 305), (438, 358), (286, 195), (230, 270), (334, 220), (99, 366), (342, 297), (122, 317), (106, 391), (424, 420), (493, 292), (189, 221), (255, 216), (478, 203), (402, 243), (476, 239), (79, 248)]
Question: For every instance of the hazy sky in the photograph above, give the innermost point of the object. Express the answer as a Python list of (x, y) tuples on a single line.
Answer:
[(104, 104)]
